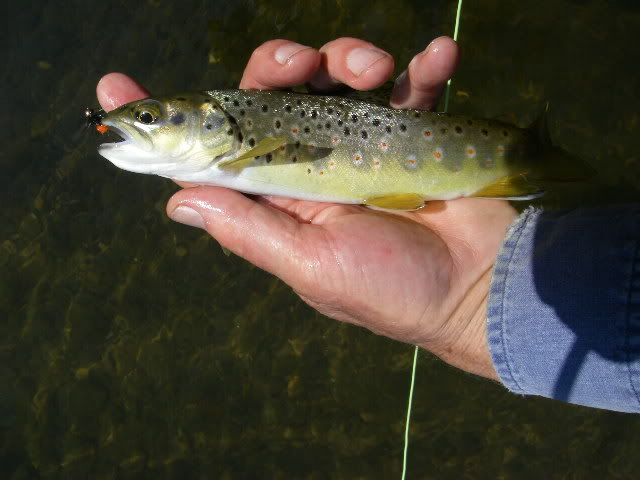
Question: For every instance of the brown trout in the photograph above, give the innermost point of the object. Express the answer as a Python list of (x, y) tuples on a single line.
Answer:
[(330, 149)]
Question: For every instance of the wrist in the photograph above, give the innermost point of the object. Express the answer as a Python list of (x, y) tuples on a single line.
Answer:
[(463, 339)]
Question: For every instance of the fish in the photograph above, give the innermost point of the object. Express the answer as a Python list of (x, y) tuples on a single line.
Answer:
[(327, 148)]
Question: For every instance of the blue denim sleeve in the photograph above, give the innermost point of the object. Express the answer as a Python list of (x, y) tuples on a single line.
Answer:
[(564, 307)]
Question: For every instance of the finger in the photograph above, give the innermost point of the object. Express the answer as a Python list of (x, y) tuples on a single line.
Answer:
[(278, 64), (115, 89), (305, 211), (264, 236), (354, 62), (421, 85)]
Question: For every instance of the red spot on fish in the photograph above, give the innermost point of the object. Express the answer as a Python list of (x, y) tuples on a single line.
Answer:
[(427, 133), (438, 155), (281, 148), (295, 130), (102, 129)]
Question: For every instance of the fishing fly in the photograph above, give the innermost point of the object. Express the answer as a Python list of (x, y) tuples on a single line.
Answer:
[(94, 119)]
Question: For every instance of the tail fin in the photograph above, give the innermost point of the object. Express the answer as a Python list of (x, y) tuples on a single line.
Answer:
[(555, 164)]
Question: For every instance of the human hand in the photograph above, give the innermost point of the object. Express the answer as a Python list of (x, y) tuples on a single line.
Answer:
[(419, 277)]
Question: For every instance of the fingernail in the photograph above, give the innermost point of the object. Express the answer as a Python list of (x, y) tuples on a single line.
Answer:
[(401, 80), (360, 59), (433, 46), (400, 90), (285, 52), (187, 216)]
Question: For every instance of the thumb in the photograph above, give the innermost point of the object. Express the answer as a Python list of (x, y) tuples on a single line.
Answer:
[(264, 236)]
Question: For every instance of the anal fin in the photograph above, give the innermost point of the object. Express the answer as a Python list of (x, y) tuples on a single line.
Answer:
[(514, 187), (403, 201)]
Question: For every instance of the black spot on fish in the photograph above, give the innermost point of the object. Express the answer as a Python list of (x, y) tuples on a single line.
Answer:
[(485, 132), (297, 145), (177, 119), (278, 124), (329, 110), (505, 133), (249, 103), (443, 130), (314, 113), (388, 129), (339, 123), (328, 124), (252, 142), (287, 108), (294, 159), (308, 171), (229, 132), (236, 103), (302, 113), (299, 102), (366, 115), (182, 99), (319, 126), (458, 129), (469, 122), (364, 134), (388, 115), (269, 157), (307, 129), (240, 137), (354, 118), (416, 115), (226, 99), (265, 108), (242, 112), (347, 131), (232, 120), (403, 127), (375, 122)]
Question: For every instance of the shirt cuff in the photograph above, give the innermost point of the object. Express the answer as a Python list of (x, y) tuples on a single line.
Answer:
[(564, 307)]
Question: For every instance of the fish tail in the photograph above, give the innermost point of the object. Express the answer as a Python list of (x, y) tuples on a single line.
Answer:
[(553, 164)]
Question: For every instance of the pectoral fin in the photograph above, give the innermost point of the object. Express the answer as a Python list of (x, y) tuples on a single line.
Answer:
[(264, 146), (404, 201), (515, 187)]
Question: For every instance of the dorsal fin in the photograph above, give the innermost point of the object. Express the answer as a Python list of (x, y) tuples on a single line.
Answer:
[(540, 127)]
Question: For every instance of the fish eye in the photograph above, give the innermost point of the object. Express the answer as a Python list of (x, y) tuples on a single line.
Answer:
[(145, 117)]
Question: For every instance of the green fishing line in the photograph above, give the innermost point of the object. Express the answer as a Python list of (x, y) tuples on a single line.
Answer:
[(415, 352), (455, 37)]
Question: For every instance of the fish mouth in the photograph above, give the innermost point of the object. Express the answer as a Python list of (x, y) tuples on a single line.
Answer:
[(120, 135), (133, 150)]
